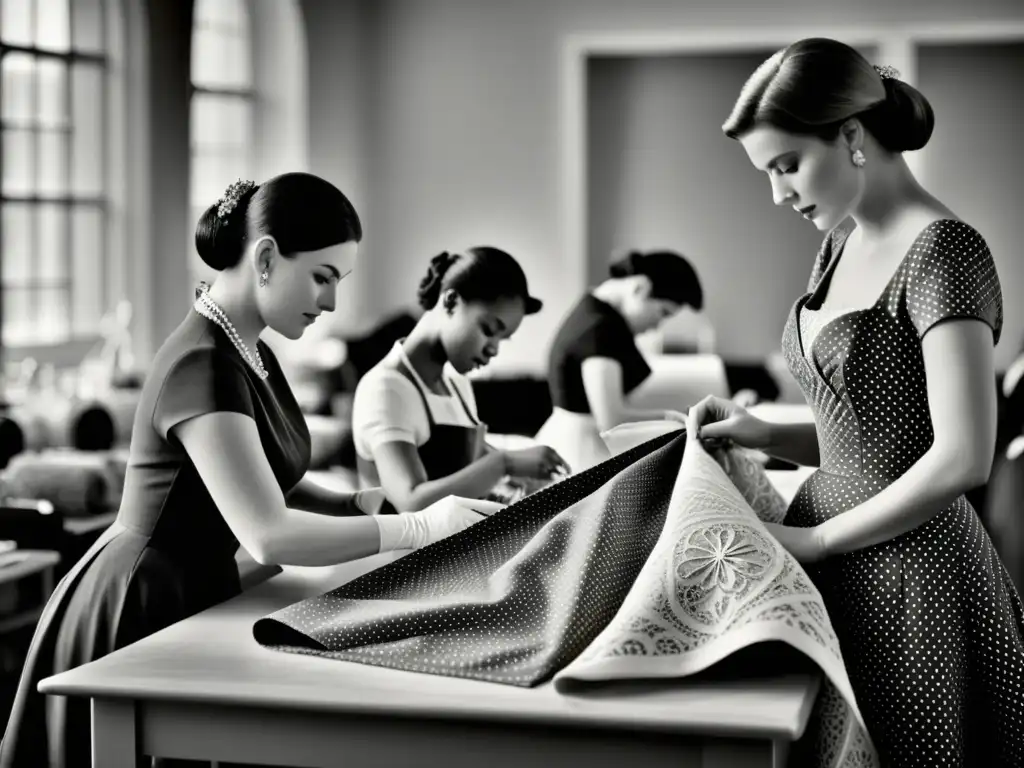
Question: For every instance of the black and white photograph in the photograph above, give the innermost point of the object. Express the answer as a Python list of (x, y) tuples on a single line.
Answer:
[(511, 383)]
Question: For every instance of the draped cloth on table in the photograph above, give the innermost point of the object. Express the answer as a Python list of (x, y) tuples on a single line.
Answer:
[(652, 564)]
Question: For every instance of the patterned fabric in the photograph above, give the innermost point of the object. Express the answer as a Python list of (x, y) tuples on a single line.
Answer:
[(655, 563), (930, 624)]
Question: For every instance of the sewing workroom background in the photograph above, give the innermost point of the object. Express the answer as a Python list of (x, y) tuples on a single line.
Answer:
[(566, 133)]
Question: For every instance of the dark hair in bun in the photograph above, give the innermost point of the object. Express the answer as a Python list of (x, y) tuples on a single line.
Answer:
[(814, 85), (483, 274), (672, 277), (302, 212)]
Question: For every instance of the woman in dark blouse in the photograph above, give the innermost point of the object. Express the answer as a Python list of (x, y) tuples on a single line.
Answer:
[(218, 455), (595, 364)]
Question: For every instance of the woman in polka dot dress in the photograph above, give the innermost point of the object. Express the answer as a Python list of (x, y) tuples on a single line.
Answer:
[(892, 345)]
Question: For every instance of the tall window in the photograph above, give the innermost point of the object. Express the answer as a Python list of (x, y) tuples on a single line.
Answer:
[(53, 208), (222, 103)]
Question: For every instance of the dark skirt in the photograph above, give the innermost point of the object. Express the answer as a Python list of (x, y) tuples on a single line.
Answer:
[(122, 590)]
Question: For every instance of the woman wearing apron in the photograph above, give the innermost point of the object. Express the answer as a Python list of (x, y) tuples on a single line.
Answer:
[(595, 364), (414, 420)]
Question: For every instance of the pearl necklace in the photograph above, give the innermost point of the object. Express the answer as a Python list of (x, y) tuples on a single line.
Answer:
[(209, 309)]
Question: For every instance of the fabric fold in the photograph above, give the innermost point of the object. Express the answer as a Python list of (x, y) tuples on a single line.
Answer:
[(653, 564)]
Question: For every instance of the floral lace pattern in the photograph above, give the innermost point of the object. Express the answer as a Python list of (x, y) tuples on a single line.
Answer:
[(718, 580)]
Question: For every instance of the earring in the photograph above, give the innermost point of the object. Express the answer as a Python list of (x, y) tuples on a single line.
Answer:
[(264, 277), (858, 158)]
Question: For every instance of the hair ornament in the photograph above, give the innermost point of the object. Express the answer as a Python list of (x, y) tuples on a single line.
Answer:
[(887, 73), (231, 197)]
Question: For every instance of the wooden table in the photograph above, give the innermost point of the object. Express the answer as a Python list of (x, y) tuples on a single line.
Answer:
[(204, 689)]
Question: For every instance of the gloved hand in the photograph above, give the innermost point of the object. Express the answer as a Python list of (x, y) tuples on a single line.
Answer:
[(412, 530)]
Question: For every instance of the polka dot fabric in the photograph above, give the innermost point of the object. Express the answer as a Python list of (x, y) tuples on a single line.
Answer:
[(930, 624), (512, 599)]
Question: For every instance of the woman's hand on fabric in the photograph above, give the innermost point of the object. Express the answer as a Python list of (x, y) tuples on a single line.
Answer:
[(715, 418), (451, 515), (537, 461), (804, 544), (443, 518)]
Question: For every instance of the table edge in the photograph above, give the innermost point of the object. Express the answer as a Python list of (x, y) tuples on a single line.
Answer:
[(50, 686)]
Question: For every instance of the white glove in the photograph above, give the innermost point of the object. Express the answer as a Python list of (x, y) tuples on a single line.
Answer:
[(412, 530)]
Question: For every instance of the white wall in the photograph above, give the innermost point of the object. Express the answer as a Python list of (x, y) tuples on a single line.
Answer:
[(974, 160), (460, 141), (662, 175)]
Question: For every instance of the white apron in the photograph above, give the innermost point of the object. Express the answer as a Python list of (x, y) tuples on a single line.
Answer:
[(575, 437)]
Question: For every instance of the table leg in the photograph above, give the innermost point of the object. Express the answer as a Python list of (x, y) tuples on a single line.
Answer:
[(780, 753), (114, 743)]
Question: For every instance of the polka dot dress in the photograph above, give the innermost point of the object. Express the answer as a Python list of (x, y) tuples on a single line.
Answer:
[(930, 624)]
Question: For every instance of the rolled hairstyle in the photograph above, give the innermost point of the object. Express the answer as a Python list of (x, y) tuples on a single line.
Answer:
[(672, 277), (302, 212), (483, 274), (814, 85)]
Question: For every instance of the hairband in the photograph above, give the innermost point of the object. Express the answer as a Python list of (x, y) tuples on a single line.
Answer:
[(231, 197)]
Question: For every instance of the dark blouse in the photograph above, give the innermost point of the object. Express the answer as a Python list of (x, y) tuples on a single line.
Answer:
[(592, 329)]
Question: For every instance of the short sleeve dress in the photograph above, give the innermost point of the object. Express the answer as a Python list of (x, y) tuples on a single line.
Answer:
[(170, 554), (930, 624), (593, 328)]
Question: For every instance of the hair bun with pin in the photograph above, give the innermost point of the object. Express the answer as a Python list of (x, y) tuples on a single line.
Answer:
[(430, 286)]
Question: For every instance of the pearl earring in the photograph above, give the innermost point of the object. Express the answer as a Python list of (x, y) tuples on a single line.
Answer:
[(858, 158), (264, 277)]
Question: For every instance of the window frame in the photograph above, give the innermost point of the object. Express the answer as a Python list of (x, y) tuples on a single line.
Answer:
[(68, 201), (247, 94)]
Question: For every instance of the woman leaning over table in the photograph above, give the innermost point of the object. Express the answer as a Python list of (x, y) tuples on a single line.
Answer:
[(218, 454)]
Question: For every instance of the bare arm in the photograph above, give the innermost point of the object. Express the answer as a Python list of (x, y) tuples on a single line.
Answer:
[(794, 442), (310, 496), (962, 401), (602, 381), (227, 453), (407, 487)]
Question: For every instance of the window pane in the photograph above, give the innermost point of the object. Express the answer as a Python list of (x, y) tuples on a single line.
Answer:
[(87, 25), (87, 148), (52, 27), (53, 222), (207, 179), (87, 268), (211, 61), (221, 121), (52, 103), (52, 314), (18, 237), (18, 149), (241, 61), (222, 15), (220, 44), (19, 315), (52, 162), (16, 22), (213, 170), (18, 87)]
